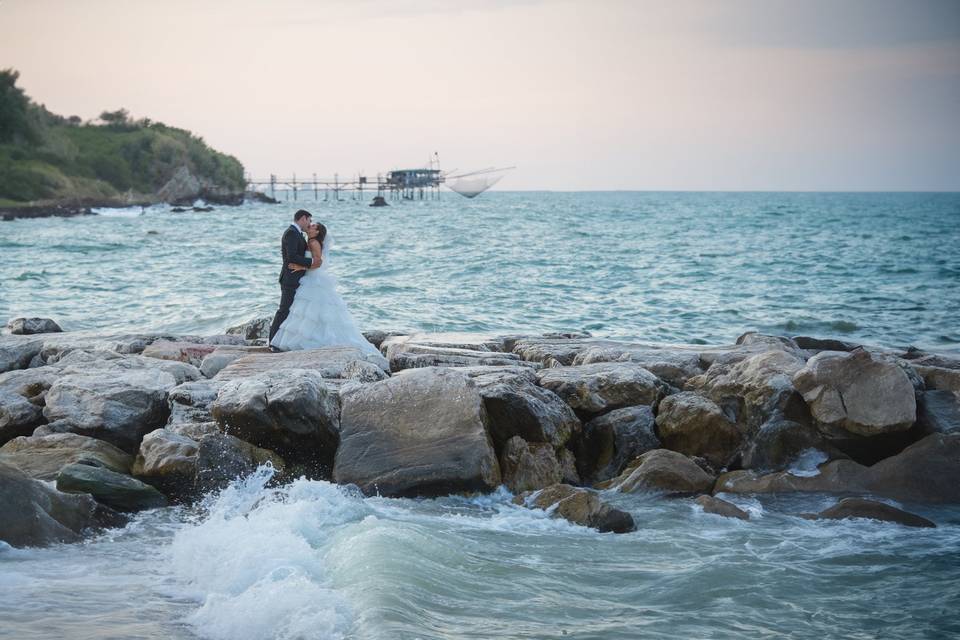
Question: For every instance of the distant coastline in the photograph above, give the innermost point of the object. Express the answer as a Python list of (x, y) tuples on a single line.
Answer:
[(51, 165)]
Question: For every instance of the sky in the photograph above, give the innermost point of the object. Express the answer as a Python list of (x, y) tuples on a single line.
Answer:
[(578, 95)]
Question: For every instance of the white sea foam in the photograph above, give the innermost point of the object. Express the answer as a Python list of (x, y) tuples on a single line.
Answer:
[(119, 212), (807, 463)]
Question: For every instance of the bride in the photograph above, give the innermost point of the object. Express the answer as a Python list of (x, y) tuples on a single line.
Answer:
[(318, 316)]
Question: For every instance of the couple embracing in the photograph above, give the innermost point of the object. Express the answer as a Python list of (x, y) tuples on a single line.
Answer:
[(312, 314)]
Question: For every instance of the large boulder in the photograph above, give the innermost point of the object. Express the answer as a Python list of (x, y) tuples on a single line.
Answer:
[(528, 466), (779, 443), (857, 392), (662, 471), (222, 458), (42, 457), (168, 460), (421, 432), (939, 378), (695, 426), (18, 416), (674, 365), (872, 510), (608, 443), (415, 356), (254, 329), (17, 352), (579, 506), (182, 188), (116, 490), (293, 412), (927, 471), (592, 389), (328, 362), (516, 406), (482, 342), (717, 506), (190, 402), (31, 326), (113, 405), (939, 411), (214, 362), (755, 388), (35, 515)]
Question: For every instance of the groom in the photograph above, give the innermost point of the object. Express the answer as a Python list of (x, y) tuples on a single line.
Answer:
[(293, 246)]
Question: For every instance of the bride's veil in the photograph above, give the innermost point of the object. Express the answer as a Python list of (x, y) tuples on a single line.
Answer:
[(325, 249)]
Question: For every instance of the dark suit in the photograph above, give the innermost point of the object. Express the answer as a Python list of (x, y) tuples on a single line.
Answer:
[(292, 247)]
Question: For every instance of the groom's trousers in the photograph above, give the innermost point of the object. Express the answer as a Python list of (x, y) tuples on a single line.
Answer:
[(286, 299)]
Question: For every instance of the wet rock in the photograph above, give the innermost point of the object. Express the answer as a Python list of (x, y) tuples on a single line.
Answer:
[(579, 506), (568, 467), (292, 412), (18, 416), (189, 352), (116, 490), (661, 470), (927, 471), (695, 426), (328, 362), (255, 329), (222, 458), (528, 466), (720, 507), (939, 412), (113, 406), (611, 441), (857, 393), (823, 344), (516, 406), (755, 388), (593, 389), (32, 326), (377, 336), (780, 442), (35, 515), (168, 460), (42, 457), (873, 510), (421, 432)]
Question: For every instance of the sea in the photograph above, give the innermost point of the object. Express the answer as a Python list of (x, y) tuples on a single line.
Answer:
[(313, 560)]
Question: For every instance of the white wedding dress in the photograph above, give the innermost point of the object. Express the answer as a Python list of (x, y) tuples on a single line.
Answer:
[(318, 316)]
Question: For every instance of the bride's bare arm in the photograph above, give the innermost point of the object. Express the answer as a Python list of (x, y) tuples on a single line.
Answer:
[(316, 250)]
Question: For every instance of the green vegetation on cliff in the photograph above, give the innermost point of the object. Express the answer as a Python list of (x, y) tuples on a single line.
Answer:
[(46, 158)]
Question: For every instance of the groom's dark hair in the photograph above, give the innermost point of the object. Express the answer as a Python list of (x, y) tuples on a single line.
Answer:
[(303, 213)]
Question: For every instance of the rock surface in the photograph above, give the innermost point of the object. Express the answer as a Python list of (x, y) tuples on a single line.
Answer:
[(34, 515), (421, 432), (116, 490), (661, 470), (292, 412), (857, 392), (18, 416), (695, 426), (611, 441), (716, 506), (579, 506), (254, 329), (528, 466), (600, 387), (873, 510), (328, 362), (42, 457), (939, 411), (32, 326), (222, 458), (168, 460)]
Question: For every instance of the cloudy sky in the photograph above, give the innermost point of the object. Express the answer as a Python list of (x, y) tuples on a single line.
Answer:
[(593, 94)]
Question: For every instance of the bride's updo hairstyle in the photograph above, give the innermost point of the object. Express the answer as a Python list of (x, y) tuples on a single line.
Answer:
[(321, 231)]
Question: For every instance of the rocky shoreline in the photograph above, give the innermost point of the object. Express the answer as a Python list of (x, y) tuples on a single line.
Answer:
[(95, 425)]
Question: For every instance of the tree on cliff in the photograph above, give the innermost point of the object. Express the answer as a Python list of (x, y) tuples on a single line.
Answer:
[(14, 124)]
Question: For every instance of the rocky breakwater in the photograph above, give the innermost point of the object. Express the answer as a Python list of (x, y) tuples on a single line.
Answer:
[(567, 422)]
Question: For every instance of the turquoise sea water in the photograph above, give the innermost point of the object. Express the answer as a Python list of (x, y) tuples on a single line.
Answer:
[(316, 561), (677, 267)]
